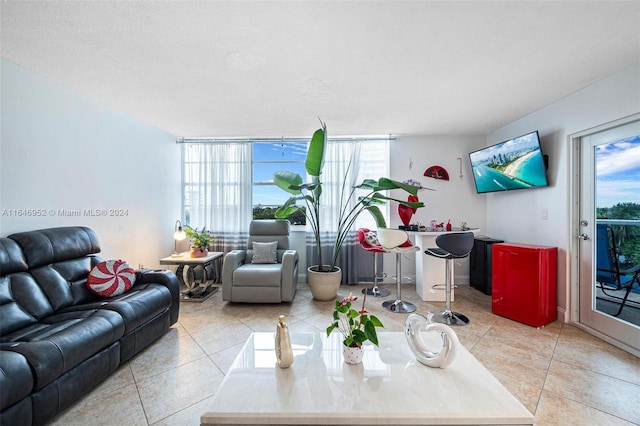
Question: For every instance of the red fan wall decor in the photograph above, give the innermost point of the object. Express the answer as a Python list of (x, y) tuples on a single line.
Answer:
[(437, 172)]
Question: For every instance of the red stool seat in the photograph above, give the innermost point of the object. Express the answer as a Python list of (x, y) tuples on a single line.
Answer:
[(369, 241)]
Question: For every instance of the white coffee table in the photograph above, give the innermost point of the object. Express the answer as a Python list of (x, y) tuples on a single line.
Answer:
[(389, 388)]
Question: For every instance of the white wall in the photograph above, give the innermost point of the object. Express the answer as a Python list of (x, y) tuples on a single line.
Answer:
[(63, 151), (454, 200), (517, 216)]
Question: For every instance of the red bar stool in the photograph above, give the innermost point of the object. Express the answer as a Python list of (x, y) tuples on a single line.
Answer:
[(369, 241), (397, 241)]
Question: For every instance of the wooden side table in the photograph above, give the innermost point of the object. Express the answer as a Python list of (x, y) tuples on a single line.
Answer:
[(197, 291)]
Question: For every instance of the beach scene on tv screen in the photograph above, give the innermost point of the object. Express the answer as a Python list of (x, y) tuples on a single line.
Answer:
[(514, 164)]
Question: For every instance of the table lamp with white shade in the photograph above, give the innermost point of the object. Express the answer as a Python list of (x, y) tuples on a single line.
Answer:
[(178, 235)]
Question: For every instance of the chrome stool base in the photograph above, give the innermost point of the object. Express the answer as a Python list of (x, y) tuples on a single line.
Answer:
[(376, 292), (451, 318), (399, 306)]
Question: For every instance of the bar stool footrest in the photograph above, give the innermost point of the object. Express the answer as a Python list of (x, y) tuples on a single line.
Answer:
[(443, 286)]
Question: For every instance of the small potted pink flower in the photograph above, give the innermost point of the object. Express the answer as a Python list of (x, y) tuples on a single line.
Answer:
[(355, 326)]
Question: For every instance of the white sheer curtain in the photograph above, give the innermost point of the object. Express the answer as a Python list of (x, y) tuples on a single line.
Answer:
[(355, 161), (218, 190), (217, 185)]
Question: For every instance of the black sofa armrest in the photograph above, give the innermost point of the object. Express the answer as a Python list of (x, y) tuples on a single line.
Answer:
[(166, 278)]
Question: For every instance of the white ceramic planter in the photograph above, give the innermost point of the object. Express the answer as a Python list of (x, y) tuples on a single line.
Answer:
[(352, 354), (324, 285)]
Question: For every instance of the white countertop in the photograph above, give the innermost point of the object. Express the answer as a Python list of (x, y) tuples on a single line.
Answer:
[(388, 387)]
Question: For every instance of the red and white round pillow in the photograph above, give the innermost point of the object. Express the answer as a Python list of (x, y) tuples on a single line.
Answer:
[(111, 278)]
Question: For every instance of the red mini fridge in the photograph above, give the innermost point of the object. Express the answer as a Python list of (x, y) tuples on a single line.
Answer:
[(525, 283)]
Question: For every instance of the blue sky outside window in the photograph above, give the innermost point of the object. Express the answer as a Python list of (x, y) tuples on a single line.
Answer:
[(269, 157), (618, 172)]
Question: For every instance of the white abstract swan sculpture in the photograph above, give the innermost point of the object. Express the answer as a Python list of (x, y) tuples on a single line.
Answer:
[(439, 358)]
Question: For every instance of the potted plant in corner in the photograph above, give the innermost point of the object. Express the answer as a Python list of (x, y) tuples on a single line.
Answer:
[(200, 241), (324, 278)]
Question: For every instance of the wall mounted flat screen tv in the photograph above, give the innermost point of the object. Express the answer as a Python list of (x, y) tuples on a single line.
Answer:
[(514, 164)]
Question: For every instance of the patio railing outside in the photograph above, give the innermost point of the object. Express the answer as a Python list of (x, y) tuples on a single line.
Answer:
[(627, 240)]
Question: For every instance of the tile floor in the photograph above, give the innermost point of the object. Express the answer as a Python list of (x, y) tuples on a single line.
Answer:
[(563, 375)]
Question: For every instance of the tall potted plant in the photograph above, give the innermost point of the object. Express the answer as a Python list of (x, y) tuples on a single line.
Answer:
[(311, 194)]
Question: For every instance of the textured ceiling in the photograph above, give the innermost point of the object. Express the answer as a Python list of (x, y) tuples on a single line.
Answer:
[(267, 68)]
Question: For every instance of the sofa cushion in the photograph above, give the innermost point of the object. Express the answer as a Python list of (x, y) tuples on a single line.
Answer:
[(54, 245), (168, 280), (59, 395), (20, 413), (261, 275), (111, 278), (16, 380), (65, 283), (58, 343), (136, 307), (22, 302), (11, 257), (59, 259), (141, 305)]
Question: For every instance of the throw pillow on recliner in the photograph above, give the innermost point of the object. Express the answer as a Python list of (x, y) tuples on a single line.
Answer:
[(265, 252), (111, 278)]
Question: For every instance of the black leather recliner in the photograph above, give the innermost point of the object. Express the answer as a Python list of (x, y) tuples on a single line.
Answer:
[(57, 339)]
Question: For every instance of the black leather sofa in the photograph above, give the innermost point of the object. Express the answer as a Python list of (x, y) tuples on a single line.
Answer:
[(58, 340)]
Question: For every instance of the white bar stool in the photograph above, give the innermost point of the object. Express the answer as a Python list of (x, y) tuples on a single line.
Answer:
[(397, 241)]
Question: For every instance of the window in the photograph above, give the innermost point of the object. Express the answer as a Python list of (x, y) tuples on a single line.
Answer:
[(268, 158), (226, 183), (217, 190)]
